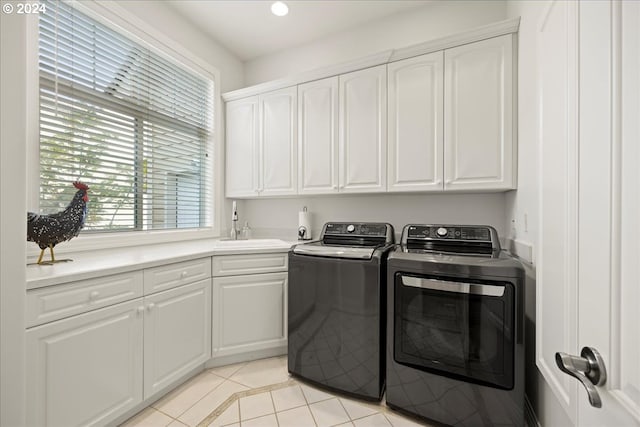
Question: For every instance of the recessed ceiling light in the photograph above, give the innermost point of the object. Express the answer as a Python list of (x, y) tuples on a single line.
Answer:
[(279, 8)]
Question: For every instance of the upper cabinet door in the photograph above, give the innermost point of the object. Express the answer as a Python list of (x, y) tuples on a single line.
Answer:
[(318, 137), (415, 120), (363, 130), (278, 146), (478, 129), (242, 148)]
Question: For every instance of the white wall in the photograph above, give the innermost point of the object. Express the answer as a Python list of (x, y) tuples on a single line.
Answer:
[(165, 20), (437, 19), (279, 217), (13, 226), (524, 201)]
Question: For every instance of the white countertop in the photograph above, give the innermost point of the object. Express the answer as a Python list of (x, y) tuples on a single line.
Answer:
[(104, 262)]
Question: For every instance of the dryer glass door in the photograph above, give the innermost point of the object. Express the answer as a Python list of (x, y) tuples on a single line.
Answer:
[(462, 329)]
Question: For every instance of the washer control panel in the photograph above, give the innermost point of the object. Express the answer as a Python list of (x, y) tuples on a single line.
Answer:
[(449, 232), (357, 228)]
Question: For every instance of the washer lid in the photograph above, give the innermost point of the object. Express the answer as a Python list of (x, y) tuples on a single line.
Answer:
[(334, 251)]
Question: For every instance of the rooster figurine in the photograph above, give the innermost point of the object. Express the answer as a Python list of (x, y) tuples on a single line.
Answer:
[(49, 230)]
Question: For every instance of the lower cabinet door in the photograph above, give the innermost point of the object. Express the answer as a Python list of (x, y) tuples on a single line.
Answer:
[(250, 313), (177, 334), (86, 369)]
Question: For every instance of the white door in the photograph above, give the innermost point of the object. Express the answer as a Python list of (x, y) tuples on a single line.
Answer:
[(250, 313), (242, 147), (587, 284), (86, 369), (609, 209), (278, 146), (177, 334), (415, 119), (478, 116), (318, 137), (556, 281), (363, 130)]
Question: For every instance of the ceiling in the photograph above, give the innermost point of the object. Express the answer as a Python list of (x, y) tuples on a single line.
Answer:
[(249, 30)]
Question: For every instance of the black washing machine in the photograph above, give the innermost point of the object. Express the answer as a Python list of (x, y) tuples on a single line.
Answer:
[(336, 310), (455, 327)]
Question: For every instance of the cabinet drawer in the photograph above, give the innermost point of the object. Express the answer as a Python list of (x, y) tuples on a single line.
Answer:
[(57, 302), (172, 275), (233, 265)]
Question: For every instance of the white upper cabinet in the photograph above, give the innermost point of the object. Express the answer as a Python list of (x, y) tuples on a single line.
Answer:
[(363, 130), (261, 145), (242, 148), (278, 142), (448, 112), (415, 121), (479, 143), (318, 137)]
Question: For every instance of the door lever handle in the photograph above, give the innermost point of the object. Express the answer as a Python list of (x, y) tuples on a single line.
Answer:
[(588, 369)]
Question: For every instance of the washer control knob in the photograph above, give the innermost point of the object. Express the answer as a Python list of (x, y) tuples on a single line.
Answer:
[(441, 232), (351, 228)]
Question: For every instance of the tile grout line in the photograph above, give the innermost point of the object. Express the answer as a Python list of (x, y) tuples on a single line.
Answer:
[(165, 414), (345, 410), (383, 410), (237, 396), (304, 396), (205, 372), (239, 415), (228, 377), (273, 405)]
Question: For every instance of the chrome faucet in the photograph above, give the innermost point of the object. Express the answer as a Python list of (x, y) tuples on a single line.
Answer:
[(234, 221)]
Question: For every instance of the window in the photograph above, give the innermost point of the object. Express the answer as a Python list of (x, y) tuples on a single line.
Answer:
[(131, 124)]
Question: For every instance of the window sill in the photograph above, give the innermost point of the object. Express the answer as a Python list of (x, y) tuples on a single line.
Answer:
[(98, 241)]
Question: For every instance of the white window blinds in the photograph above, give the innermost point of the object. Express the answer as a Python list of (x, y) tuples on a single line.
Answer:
[(131, 124)]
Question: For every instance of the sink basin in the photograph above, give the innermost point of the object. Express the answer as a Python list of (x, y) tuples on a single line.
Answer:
[(251, 243)]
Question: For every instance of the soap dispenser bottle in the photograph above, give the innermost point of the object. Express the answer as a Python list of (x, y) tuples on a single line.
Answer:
[(246, 231)]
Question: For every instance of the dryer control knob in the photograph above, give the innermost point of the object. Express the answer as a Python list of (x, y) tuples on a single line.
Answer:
[(351, 228), (441, 231)]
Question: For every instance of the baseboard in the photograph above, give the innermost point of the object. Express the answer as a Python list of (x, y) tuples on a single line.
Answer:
[(530, 417), (244, 357)]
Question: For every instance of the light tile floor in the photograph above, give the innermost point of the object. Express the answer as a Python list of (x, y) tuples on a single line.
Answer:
[(261, 394)]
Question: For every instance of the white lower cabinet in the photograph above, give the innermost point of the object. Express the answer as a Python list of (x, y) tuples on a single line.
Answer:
[(90, 368), (86, 369), (177, 334), (250, 313), (89, 364)]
